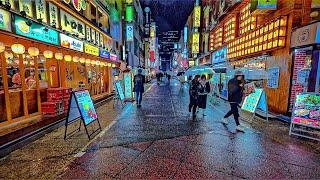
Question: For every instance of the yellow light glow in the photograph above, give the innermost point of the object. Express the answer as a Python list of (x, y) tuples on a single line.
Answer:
[(82, 60), (88, 61), (58, 56), (33, 51), (75, 59), (18, 48), (8, 55), (2, 47), (48, 54), (67, 58)]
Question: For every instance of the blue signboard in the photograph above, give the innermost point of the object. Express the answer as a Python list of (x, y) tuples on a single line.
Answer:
[(86, 106), (129, 32), (219, 56), (104, 53), (120, 90), (33, 30)]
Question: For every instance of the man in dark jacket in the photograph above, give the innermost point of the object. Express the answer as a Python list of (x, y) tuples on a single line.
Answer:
[(139, 81), (235, 93), (194, 95)]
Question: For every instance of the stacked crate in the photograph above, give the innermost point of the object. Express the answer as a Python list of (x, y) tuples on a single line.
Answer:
[(57, 102)]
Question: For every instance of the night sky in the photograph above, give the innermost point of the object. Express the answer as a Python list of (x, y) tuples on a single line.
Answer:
[(169, 14)]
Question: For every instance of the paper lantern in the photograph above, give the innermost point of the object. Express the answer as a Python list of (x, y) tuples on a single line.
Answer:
[(33, 51), (109, 64), (88, 61), (98, 63), (2, 47), (82, 60), (101, 64), (18, 48), (93, 62), (67, 58), (8, 55), (47, 54), (113, 65), (105, 64), (75, 59), (58, 56)]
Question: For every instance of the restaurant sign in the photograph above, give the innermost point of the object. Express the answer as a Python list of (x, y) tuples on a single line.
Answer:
[(90, 49), (41, 10), (5, 20), (26, 6), (104, 53), (35, 31), (306, 35), (53, 15), (71, 24), (219, 56), (71, 43), (113, 57)]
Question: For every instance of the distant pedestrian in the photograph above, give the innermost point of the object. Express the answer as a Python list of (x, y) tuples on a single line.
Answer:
[(235, 93), (139, 81), (158, 78), (194, 95), (203, 93)]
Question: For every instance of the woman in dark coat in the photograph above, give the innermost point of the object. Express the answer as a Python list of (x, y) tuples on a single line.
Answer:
[(194, 95), (204, 91)]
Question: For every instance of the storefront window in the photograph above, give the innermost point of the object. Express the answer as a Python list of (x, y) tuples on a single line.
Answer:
[(43, 79), (13, 71)]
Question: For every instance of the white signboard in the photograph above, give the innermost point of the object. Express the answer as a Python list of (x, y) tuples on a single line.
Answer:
[(71, 43)]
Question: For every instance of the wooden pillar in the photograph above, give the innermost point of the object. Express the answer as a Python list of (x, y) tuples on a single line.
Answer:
[(62, 73), (5, 86), (36, 72), (23, 85), (49, 77)]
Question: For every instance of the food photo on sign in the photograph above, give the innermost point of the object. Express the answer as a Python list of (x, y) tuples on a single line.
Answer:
[(307, 110)]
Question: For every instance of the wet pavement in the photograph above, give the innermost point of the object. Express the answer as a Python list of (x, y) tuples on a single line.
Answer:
[(161, 141)]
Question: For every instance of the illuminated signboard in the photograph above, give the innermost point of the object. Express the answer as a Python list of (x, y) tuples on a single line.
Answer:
[(71, 24), (5, 20), (267, 4), (195, 43), (104, 53), (35, 31), (120, 90), (152, 31), (53, 15), (127, 85), (129, 13), (129, 32), (71, 43), (90, 49), (185, 34), (26, 6), (219, 56), (113, 57), (197, 13), (86, 106), (41, 10)]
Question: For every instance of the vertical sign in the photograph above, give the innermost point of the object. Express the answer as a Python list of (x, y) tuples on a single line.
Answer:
[(5, 20), (129, 32), (93, 35), (195, 43), (53, 15), (97, 38), (88, 33), (41, 10), (197, 13), (127, 85), (129, 13), (72, 24), (185, 34), (26, 6)]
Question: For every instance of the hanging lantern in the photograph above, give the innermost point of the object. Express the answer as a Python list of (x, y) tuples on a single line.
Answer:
[(93, 62), (47, 54), (88, 61), (8, 55), (75, 59), (58, 56), (101, 64), (97, 63), (113, 65), (105, 64), (82, 60), (67, 58), (33, 51), (109, 65), (18, 48), (2, 47)]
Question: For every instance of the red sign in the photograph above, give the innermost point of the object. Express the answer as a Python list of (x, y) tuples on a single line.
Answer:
[(152, 56)]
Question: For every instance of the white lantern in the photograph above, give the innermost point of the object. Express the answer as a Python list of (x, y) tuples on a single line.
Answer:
[(18, 48), (109, 65), (82, 60), (58, 56), (88, 61), (33, 51), (75, 59), (113, 65), (2, 47), (98, 63), (93, 62), (47, 54), (67, 58)]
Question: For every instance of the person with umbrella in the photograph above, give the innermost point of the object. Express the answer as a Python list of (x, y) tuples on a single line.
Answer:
[(203, 93), (194, 95)]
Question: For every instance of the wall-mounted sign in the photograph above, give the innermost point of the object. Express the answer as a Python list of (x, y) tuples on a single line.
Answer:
[(129, 32), (267, 4), (88, 33), (104, 53), (71, 43), (306, 35), (113, 57), (219, 56), (97, 37), (5, 20), (152, 56), (79, 4), (41, 10), (195, 43), (93, 35), (129, 13), (273, 77), (53, 15), (196, 16), (90, 49), (185, 34), (101, 40), (26, 6), (152, 31), (71, 24), (35, 31)]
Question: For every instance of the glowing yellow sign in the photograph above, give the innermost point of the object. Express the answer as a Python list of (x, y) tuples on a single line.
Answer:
[(26, 6), (195, 43), (197, 14), (90, 49)]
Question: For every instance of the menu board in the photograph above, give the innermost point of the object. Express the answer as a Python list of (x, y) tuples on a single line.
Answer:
[(307, 110), (86, 106), (273, 77), (252, 100), (127, 85), (120, 90)]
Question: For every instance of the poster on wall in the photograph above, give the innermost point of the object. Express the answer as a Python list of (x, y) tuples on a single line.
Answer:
[(71, 24), (307, 110), (5, 20), (41, 10), (35, 31), (273, 77)]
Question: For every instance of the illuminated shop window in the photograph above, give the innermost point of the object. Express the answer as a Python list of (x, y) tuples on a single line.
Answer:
[(229, 30), (247, 20)]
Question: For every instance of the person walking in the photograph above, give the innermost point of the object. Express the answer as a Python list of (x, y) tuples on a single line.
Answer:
[(194, 95), (203, 93), (139, 81), (235, 93)]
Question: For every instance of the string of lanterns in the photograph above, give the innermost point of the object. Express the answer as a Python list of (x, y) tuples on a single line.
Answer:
[(19, 49)]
